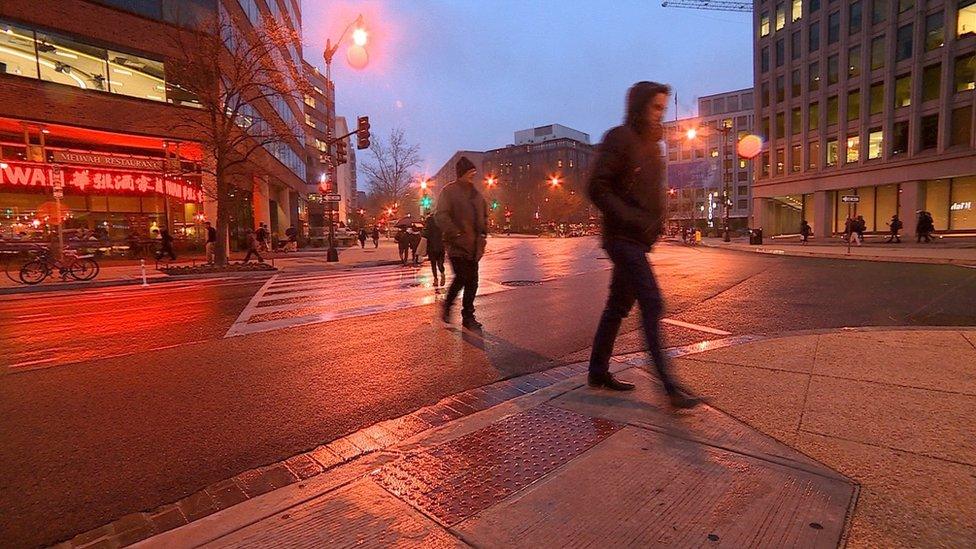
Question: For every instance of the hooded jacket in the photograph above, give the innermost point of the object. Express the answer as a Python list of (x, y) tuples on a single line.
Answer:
[(627, 183), (462, 216)]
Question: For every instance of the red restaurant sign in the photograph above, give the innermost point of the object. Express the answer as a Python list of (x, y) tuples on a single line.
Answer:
[(77, 180)]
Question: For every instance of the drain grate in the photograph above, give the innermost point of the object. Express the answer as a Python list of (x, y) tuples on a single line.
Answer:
[(517, 283), (469, 474)]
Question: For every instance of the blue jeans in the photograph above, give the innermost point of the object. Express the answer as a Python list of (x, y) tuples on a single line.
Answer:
[(632, 280)]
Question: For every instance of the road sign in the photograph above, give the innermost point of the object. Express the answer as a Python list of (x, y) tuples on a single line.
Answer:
[(332, 198), (57, 179), (850, 198)]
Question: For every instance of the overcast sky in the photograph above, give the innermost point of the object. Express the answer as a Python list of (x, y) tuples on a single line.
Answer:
[(466, 74)]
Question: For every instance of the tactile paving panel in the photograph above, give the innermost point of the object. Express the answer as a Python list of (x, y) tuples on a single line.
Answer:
[(457, 479)]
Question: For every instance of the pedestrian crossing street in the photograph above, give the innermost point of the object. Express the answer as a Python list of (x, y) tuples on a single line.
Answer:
[(288, 300)]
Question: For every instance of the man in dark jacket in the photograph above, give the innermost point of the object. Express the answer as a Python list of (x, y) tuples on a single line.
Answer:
[(627, 185), (211, 242), (435, 249), (462, 215)]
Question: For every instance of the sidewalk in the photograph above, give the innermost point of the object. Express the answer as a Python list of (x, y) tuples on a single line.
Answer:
[(862, 437), (131, 273), (957, 251)]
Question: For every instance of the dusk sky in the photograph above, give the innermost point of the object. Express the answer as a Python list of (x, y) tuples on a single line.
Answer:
[(466, 74)]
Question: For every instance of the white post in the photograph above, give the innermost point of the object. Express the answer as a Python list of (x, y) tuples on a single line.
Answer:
[(142, 265)]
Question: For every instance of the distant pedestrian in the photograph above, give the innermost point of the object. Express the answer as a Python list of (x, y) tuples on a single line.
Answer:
[(924, 227), (211, 242), (253, 246), (850, 232), (403, 245), (414, 240), (627, 185), (805, 231), (435, 249), (165, 245), (262, 237), (292, 234), (462, 215), (376, 236), (894, 226), (860, 226), (362, 238)]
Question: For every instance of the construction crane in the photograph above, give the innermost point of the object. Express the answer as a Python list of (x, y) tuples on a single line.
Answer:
[(714, 5)]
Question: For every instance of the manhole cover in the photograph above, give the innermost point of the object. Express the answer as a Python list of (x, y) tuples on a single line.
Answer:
[(521, 283)]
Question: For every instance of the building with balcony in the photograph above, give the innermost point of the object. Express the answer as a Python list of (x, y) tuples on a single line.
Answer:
[(872, 98)]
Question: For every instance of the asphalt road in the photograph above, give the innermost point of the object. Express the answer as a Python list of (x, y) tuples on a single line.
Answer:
[(146, 400)]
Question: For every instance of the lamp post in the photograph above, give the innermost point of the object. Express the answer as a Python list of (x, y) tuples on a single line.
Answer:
[(726, 129)]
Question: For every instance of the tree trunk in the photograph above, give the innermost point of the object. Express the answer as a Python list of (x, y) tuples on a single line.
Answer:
[(221, 253)]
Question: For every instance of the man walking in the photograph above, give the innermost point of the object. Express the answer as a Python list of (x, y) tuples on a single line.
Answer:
[(211, 242), (253, 247), (165, 245), (462, 215), (627, 186), (894, 226), (262, 237), (435, 249), (376, 236)]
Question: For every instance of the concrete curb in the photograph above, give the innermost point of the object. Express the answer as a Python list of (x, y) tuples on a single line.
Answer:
[(150, 279), (878, 258)]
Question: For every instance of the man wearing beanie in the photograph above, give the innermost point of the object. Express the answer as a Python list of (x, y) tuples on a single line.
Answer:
[(462, 216), (627, 185)]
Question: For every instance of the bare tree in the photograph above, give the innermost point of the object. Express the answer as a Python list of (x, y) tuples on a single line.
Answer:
[(390, 172), (228, 76)]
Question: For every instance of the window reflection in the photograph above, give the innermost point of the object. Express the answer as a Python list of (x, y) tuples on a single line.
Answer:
[(68, 62), (17, 51), (136, 76)]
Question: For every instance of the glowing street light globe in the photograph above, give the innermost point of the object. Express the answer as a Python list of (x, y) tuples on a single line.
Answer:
[(359, 37), (357, 57), (691, 133), (750, 146)]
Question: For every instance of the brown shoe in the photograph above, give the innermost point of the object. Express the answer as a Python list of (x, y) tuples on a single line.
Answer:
[(610, 382)]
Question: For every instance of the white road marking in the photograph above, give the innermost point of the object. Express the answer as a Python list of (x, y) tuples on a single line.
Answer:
[(36, 315), (695, 327), (32, 362)]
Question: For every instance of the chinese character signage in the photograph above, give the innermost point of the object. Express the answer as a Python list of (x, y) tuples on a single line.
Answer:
[(25, 176)]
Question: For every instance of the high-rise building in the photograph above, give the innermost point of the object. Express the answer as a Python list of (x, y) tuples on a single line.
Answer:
[(319, 120), (346, 174), (697, 171), (866, 98), (85, 85)]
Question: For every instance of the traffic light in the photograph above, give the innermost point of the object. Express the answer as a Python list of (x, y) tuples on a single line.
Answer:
[(362, 133), (426, 202), (341, 152), (494, 204)]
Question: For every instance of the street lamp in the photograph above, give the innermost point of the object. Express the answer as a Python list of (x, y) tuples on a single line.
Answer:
[(726, 128)]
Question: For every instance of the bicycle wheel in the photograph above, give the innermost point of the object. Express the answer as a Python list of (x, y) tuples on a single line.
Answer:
[(33, 272), (83, 269)]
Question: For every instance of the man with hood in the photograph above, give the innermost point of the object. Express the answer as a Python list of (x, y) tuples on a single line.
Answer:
[(627, 185), (462, 216)]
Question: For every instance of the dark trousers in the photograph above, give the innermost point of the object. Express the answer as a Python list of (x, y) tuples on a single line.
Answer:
[(465, 278), (256, 253), (436, 262), (167, 249), (632, 280)]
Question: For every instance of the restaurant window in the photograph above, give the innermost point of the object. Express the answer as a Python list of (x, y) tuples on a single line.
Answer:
[(833, 69), (929, 132), (879, 11), (780, 125), (813, 38), (903, 91), (877, 52), (962, 203), (813, 117), (853, 105), (832, 108), (931, 82), (814, 76), (795, 83), (797, 11), (966, 19), (764, 24), (796, 45), (854, 18), (796, 121), (764, 59), (854, 62), (899, 141), (764, 91), (853, 149), (780, 16), (934, 31), (833, 27), (780, 52), (780, 162), (962, 123), (813, 155), (905, 5), (780, 88), (796, 159), (136, 76), (17, 55), (964, 72), (875, 143), (72, 63), (832, 153), (903, 43), (877, 98)]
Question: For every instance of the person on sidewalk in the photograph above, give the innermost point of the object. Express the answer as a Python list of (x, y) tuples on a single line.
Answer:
[(924, 227), (362, 238), (262, 237), (894, 226), (805, 231), (253, 246), (292, 234), (860, 226), (462, 215), (403, 245), (376, 236), (165, 245), (211, 242), (415, 239), (435, 249), (627, 185)]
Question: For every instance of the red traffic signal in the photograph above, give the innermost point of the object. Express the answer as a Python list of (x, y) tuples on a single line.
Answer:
[(362, 132)]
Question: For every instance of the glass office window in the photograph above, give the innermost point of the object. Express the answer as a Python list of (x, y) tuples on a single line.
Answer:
[(875, 143), (780, 161), (813, 116), (780, 16), (136, 76), (929, 131), (854, 62), (832, 107), (796, 46), (833, 27), (879, 11), (937, 202), (764, 92), (934, 31), (764, 24), (813, 37), (899, 141), (68, 62), (853, 148), (797, 11), (17, 54), (905, 5), (931, 80), (813, 75), (903, 43), (833, 70), (764, 59), (962, 204), (853, 105), (832, 152), (795, 83), (964, 72), (780, 125), (966, 18), (854, 17), (796, 159), (813, 155), (780, 88), (814, 6), (877, 98), (962, 126), (903, 91), (877, 52), (780, 52), (796, 121)]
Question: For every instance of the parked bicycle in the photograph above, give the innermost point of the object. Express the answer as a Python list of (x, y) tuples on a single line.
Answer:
[(45, 264)]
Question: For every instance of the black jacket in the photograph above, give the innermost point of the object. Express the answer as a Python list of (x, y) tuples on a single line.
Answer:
[(627, 183), (462, 215), (434, 236)]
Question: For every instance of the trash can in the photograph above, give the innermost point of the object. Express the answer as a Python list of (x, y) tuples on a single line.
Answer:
[(755, 236)]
